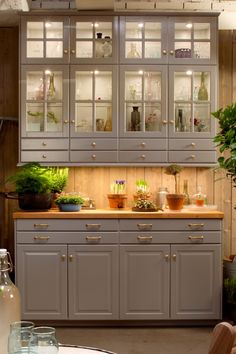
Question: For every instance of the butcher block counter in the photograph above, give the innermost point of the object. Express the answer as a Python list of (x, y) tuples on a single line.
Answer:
[(119, 265)]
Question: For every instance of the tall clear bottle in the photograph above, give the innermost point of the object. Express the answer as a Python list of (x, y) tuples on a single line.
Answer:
[(9, 300)]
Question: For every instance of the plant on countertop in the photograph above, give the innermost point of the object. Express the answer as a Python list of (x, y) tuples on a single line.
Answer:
[(58, 177), (142, 190), (174, 170), (118, 186), (145, 204), (69, 199), (175, 200)]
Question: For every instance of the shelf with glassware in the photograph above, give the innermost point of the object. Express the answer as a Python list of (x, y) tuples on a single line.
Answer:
[(168, 39), (44, 112), (192, 98), (64, 39), (143, 97), (93, 105)]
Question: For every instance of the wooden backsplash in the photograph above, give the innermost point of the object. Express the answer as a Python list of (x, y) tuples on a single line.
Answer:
[(95, 181)]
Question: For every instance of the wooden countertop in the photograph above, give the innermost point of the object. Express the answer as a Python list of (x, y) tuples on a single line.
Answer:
[(118, 214)]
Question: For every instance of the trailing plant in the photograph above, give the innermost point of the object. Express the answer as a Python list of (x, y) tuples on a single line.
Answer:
[(174, 170), (69, 199), (230, 289), (226, 139)]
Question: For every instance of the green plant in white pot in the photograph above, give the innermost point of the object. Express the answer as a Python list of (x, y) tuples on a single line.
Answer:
[(69, 202)]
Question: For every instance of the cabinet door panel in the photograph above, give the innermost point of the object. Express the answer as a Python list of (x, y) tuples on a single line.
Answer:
[(42, 277), (144, 282), (93, 282), (196, 274)]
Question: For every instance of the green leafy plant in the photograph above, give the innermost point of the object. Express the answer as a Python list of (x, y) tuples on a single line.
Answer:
[(69, 199), (174, 170), (145, 204), (226, 139), (58, 177), (230, 289)]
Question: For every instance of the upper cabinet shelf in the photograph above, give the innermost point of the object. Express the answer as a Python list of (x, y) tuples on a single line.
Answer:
[(173, 40)]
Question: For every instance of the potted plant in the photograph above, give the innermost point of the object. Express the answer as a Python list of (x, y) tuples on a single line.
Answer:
[(142, 190), (33, 186), (117, 198), (59, 178), (175, 200), (69, 202), (144, 205)]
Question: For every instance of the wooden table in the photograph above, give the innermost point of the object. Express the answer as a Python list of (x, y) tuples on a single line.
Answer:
[(76, 349)]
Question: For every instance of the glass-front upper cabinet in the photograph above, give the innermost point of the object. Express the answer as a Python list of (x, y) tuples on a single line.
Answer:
[(143, 101), (44, 40), (192, 99), (44, 101), (192, 40), (94, 40), (143, 40), (93, 101)]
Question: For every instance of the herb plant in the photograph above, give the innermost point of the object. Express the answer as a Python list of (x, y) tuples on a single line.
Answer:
[(69, 199)]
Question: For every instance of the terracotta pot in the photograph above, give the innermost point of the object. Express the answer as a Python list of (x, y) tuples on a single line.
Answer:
[(117, 201), (175, 201)]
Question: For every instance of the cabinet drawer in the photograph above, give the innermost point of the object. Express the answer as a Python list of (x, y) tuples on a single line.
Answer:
[(67, 238), (170, 224), (91, 225), (45, 144), (143, 144), (143, 156), (192, 156), (191, 144), (94, 144), (45, 156), (93, 156), (170, 237)]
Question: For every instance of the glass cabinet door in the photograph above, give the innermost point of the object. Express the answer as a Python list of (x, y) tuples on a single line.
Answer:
[(93, 101), (192, 99), (192, 40), (143, 40), (94, 40), (143, 95), (44, 93), (45, 40)]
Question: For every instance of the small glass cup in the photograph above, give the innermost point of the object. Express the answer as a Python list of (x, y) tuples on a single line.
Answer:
[(19, 337), (43, 341)]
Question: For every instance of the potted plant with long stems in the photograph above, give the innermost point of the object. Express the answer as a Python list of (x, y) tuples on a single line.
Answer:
[(175, 200), (117, 198)]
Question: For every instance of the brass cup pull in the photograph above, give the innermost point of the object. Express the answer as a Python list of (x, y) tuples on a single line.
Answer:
[(40, 226), (144, 238), (196, 238), (41, 238), (93, 238), (144, 226), (93, 226), (195, 226)]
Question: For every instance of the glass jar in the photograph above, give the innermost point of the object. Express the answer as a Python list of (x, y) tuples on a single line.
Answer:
[(161, 197), (199, 199), (20, 334), (43, 341)]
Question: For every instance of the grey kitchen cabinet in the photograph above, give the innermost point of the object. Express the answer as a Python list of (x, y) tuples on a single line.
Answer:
[(168, 272), (72, 266)]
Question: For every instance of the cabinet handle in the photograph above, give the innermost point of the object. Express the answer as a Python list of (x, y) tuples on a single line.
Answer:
[(193, 157), (44, 156), (144, 238), (164, 52), (174, 257), (66, 121), (40, 226), (172, 121), (193, 144), (93, 238), (143, 157), (171, 52), (94, 157), (143, 144), (166, 257), (93, 226), (72, 121), (41, 238), (72, 51), (164, 122), (144, 226), (44, 144), (70, 257), (65, 51), (196, 226), (63, 257), (194, 238), (93, 144)]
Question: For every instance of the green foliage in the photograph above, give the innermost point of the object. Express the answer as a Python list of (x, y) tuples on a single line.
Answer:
[(142, 185), (69, 199), (226, 139), (58, 177), (145, 204), (230, 289), (174, 170)]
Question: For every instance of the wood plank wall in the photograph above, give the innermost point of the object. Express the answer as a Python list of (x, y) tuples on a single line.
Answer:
[(95, 181)]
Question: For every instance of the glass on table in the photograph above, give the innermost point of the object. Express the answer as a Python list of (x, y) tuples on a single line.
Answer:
[(20, 334), (43, 341)]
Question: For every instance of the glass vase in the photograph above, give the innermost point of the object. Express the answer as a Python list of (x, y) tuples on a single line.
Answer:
[(43, 341), (202, 93), (19, 337)]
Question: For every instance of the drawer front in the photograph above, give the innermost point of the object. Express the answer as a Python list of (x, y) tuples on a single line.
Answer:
[(45, 144), (147, 225), (90, 225), (143, 144), (192, 156), (45, 156), (170, 237), (143, 156), (191, 144), (67, 238), (93, 156), (94, 144)]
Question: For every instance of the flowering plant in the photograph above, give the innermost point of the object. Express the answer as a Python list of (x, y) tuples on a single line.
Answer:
[(118, 186)]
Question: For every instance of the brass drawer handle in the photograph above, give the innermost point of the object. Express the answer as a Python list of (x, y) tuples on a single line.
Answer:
[(144, 226), (93, 226), (196, 226), (144, 238), (41, 238), (93, 238), (40, 226), (194, 238)]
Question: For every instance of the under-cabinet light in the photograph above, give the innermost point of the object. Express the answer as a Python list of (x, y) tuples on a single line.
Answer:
[(189, 72), (189, 25), (140, 72)]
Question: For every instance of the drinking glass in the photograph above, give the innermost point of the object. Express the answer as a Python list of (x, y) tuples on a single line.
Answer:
[(18, 340), (43, 341)]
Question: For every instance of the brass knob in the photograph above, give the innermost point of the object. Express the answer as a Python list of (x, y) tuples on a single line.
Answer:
[(172, 121), (166, 257), (164, 122), (143, 144), (193, 144), (70, 257), (72, 121), (93, 144), (143, 157), (171, 52), (44, 144), (174, 257), (63, 257), (164, 52), (44, 156), (193, 157), (72, 51), (65, 51), (94, 157), (66, 121)]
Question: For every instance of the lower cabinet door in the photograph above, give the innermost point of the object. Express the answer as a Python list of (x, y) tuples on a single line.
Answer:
[(196, 286), (93, 282), (41, 275), (144, 281)]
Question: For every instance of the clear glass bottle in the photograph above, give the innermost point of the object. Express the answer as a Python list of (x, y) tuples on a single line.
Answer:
[(199, 199), (51, 87), (20, 334), (43, 341), (161, 197), (185, 192), (133, 53), (202, 93), (9, 300)]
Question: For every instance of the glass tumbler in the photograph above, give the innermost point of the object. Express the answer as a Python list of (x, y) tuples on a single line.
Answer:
[(19, 337), (43, 341)]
